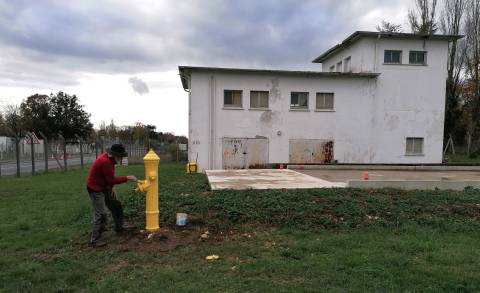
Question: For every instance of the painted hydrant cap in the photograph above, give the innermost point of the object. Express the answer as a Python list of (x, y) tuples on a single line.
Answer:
[(151, 156)]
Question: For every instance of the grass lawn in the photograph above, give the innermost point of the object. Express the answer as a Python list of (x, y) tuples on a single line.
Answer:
[(268, 241), (462, 159)]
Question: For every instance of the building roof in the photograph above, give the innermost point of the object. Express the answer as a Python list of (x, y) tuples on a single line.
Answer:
[(185, 70), (365, 34)]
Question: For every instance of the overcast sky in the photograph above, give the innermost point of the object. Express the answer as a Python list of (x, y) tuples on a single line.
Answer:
[(121, 58)]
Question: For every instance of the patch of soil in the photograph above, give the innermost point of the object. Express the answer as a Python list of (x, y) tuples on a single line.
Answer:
[(164, 240), (117, 266), (472, 209), (46, 255), (205, 193)]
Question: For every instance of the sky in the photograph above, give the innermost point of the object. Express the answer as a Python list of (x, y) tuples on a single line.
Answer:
[(121, 57)]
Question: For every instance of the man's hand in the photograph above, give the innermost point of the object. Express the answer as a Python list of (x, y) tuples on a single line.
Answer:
[(131, 178)]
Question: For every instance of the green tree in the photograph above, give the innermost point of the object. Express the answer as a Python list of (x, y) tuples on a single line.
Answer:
[(35, 112), (69, 117), (2, 125), (13, 121)]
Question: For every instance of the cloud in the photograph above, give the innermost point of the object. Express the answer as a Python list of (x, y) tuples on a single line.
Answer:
[(71, 38), (138, 85)]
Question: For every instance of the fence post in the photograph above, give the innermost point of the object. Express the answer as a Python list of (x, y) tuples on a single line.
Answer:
[(469, 142), (177, 150), (45, 153), (64, 152), (96, 148), (32, 154), (17, 154), (101, 143), (81, 150)]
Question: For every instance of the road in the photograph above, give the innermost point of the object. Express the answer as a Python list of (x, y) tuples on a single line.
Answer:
[(10, 168)]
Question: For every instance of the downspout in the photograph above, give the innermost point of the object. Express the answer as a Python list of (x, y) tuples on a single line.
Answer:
[(376, 53), (211, 143), (189, 91), (374, 102), (214, 121)]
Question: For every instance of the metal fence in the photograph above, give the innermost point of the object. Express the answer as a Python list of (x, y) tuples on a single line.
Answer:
[(34, 155)]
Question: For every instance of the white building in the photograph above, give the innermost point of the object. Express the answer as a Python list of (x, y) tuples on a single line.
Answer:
[(380, 98)]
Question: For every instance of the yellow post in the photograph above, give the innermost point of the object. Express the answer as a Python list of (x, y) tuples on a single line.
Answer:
[(150, 186)]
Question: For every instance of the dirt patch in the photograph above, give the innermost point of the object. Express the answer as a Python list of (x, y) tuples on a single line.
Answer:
[(47, 255), (469, 209), (164, 240), (205, 193), (117, 266)]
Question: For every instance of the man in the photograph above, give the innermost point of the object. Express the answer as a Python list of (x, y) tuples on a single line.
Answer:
[(100, 182)]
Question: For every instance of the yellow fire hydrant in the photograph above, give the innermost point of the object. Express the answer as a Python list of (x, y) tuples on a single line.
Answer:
[(150, 186)]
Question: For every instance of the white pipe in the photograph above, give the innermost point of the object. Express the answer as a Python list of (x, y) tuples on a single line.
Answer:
[(211, 121)]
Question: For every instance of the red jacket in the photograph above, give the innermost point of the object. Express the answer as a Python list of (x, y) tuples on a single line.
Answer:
[(102, 174)]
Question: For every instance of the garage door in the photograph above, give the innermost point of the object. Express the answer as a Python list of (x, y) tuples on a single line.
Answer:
[(310, 151), (245, 153)]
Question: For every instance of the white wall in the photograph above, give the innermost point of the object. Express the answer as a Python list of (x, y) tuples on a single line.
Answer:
[(412, 100), (349, 126), (362, 53), (372, 117)]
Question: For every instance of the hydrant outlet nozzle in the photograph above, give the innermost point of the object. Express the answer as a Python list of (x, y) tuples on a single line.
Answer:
[(142, 186)]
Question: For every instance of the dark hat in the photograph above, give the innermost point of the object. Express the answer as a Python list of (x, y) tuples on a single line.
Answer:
[(117, 150)]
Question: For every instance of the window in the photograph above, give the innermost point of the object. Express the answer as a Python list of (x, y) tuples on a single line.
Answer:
[(346, 64), (232, 99), (339, 66), (258, 99), (414, 146), (332, 68), (392, 57), (324, 101), (417, 57), (299, 100)]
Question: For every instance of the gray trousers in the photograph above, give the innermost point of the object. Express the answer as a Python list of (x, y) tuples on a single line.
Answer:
[(101, 201)]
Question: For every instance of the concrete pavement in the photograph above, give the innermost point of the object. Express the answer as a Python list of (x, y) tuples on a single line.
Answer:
[(265, 179)]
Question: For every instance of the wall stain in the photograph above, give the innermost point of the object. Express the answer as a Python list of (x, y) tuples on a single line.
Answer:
[(392, 122), (275, 93), (269, 117)]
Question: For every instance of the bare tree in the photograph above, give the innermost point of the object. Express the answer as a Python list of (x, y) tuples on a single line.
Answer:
[(422, 18), (388, 27), (451, 24), (472, 28), (472, 70)]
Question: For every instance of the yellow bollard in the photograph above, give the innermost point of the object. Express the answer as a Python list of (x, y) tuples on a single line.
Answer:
[(150, 186)]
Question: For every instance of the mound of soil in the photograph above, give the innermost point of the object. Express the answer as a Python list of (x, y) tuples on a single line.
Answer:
[(164, 240)]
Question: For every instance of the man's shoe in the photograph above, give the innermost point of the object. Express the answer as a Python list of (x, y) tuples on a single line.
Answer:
[(125, 227), (98, 243)]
